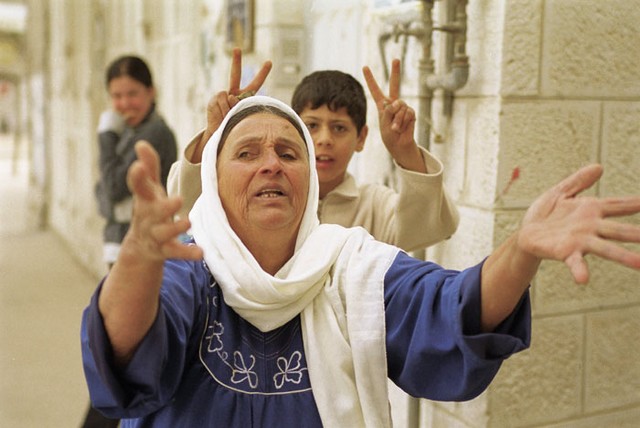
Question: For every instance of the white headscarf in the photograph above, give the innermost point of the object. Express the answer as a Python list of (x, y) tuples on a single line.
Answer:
[(333, 273)]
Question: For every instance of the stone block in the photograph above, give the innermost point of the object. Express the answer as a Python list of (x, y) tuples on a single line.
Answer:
[(480, 154), (471, 243), (609, 285), (544, 383), (627, 418), (612, 359), (621, 149), (590, 48), (448, 142), (484, 47), (521, 48), (546, 141)]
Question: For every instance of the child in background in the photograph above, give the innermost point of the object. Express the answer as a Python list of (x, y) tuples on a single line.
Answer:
[(333, 106)]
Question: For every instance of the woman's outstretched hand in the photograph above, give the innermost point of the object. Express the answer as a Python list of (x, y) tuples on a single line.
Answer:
[(153, 234), (128, 300), (561, 225)]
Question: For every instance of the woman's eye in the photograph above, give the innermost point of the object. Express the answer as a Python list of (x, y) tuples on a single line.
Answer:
[(288, 155)]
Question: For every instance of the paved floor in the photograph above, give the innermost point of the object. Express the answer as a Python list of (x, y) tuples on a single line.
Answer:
[(42, 294)]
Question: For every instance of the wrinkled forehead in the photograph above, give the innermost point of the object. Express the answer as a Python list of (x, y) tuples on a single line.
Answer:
[(250, 123)]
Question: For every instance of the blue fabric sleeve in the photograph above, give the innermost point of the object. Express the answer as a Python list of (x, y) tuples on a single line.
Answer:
[(154, 372), (435, 347)]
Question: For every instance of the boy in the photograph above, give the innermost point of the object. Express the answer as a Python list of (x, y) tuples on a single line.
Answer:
[(333, 106)]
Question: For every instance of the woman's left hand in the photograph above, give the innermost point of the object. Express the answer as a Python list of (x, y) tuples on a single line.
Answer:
[(560, 225)]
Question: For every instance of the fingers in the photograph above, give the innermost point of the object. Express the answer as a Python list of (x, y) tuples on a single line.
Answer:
[(224, 103), (143, 175), (161, 240), (401, 115), (138, 181), (217, 108), (611, 251), (623, 206), (235, 77), (606, 249), (578, 268), (376, 93), (165, 232), (170, 246), (257, 82), (236, 71), (580, 180), (394, 80), (621, 232), (149, 158)]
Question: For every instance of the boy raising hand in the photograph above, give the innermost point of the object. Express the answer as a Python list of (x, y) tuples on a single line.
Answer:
[(334, 107)]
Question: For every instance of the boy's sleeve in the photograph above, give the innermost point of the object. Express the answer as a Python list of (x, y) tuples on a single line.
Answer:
[(424, 213), (184, 179)]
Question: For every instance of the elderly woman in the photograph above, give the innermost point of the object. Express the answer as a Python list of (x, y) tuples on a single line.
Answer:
[(290, 323)]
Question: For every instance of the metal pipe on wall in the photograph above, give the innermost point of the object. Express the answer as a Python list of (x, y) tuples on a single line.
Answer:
[(454, 76), (456, 60), (456, 63)]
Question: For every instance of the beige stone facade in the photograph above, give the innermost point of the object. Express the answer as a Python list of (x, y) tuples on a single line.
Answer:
[(553, 85)]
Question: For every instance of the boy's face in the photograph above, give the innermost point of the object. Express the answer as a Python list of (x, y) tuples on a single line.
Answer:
[(335, 138)]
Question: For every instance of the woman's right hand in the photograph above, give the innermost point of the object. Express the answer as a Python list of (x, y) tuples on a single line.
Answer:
[(153, 234), (129, 299)]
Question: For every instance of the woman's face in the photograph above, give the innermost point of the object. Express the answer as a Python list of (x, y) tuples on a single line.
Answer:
[(263, 175), (131, 99)]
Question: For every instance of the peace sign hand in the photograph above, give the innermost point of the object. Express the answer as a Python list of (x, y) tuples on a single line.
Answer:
[(220, 104), (397, 120)]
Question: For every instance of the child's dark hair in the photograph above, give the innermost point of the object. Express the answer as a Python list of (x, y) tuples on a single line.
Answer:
[(334, 89), (131, 66)]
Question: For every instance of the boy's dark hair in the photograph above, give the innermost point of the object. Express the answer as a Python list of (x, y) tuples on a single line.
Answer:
[(334, 89), (131, 66)]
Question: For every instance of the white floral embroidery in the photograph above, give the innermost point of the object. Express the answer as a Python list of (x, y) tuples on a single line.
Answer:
[(214, 336), (290, 371), (241, 372)]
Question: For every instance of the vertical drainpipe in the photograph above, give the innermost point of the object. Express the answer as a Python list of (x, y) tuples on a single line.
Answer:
[(457, 62), (456, 75), (425, 69), (425, 95)]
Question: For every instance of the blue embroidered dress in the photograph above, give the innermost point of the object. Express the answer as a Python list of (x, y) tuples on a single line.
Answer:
[(202, 365)]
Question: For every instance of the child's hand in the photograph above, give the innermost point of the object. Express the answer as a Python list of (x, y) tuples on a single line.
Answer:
[(397, 120)]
